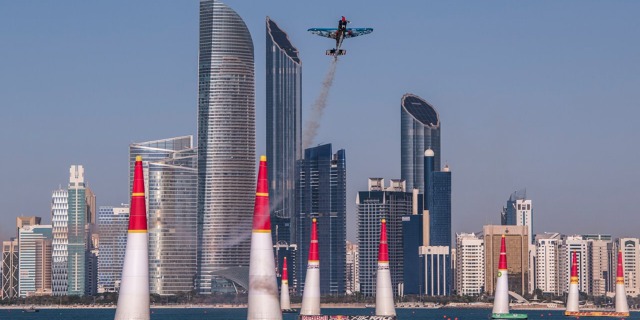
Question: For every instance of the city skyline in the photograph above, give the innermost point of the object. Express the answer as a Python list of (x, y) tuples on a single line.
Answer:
[(543, 100)]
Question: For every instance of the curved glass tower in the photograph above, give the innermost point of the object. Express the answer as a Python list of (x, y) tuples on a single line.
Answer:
[(284, 134), (226, 141), (420, 130)]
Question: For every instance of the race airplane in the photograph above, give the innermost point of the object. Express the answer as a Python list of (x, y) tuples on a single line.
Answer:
[(340, 34)]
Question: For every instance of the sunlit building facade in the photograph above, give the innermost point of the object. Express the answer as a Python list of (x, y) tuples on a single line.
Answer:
[(171, 177), (10, 255), (35, 260), (77, 218), (226, 141), (59, 221), (113, 223)]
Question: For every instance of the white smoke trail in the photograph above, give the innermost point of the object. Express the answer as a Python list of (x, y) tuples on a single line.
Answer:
[(313, 121)]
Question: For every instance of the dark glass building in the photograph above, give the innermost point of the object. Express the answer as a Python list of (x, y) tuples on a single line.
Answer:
[(226, 143), (413, 277), (379, 203), (420, 130), (321, 192), (440, 208), (284, 133)]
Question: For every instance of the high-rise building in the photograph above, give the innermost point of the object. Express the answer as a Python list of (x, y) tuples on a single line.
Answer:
[(519, 212), (440, 208), (59, 222), (352, 278), (24, 221), (77, 218), (548, 262), (226, 141), (413, 238), (35, 260), (284, 129), (578, 245), (437, 270), (380, 202), (322, 194), (517, 247), (599, 250), (420, 130), (113, 223), (289, 251), (171, 178), (469, 264), (10, 255), (630, 248)]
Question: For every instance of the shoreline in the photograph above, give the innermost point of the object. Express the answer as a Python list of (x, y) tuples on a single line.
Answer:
[(405, 305)]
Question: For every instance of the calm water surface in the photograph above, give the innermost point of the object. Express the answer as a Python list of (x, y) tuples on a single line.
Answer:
[(241, 314)]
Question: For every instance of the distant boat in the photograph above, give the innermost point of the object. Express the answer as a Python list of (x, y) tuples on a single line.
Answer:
[(31, 309), (369, 305), (290, 311)]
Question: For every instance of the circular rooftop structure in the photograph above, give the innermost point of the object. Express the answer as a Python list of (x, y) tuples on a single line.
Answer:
[(420, 110)]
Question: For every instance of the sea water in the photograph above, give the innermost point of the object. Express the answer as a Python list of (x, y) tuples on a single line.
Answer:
[(241, 314)]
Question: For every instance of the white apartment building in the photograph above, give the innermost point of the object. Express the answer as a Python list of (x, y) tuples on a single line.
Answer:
[(547, 264), (579, 245), (469, 264), (631, 264)]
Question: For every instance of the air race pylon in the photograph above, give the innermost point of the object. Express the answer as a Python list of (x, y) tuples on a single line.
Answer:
[(621, 293), (133, 299), (263, 288), (384, 290), (573, 300), (285, 303), (311, 294), (501, 297)]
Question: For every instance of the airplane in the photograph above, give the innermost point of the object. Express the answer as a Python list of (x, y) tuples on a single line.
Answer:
[(340, 34)]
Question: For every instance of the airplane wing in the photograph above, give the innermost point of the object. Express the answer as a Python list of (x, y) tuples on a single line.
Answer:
[(325, 32), (354, 32)]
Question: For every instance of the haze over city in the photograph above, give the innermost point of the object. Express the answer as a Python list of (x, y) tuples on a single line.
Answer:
[(539, 95)]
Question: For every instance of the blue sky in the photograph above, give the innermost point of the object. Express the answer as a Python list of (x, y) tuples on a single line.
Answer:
[(542, 95)]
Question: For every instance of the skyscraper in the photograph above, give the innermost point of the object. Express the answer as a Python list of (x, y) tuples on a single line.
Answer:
[(630, 248), (77, 215), (380, 202), (226, 141), (59, 221), (284, 132), (171, 182), (112, 223), (548, 264), (35, 260), (420, 130), (580, 246), (10, 255), (322, 195), (440, 208), (517, 246), (469, 269), (519, 212)]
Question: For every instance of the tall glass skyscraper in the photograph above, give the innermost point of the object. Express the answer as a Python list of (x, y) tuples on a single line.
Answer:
[(59, 221), (113, 223), (322, 194), (171, 179), (420, 130), (284, 132), (440, 208), (226, 141), (77, 215)]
